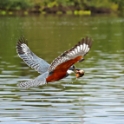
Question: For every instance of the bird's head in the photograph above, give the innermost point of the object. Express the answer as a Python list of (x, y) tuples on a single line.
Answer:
[(79, 73)]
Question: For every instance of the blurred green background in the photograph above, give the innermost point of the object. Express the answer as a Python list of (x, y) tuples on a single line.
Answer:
[(76, 7)]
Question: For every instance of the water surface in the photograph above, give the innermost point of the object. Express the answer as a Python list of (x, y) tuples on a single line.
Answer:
[(96, 98)]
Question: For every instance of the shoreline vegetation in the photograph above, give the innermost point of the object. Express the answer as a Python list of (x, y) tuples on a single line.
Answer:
[(60, 7)]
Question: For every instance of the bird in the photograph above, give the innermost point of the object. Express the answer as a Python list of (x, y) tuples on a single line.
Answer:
[(60, 67)]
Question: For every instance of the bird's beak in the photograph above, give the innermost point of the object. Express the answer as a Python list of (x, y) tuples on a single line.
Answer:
[(79, 73)]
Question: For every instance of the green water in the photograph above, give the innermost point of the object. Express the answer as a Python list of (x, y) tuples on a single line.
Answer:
[(96, 98)]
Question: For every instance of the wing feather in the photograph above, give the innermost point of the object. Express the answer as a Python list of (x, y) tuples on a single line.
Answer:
[(81, 49), (38, 81), (30, 58)]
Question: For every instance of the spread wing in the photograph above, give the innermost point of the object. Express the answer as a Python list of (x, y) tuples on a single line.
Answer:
[(30, 58), (38, 81), (70, 57)]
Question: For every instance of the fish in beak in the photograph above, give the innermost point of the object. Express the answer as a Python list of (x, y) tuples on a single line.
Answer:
[(79, 73)]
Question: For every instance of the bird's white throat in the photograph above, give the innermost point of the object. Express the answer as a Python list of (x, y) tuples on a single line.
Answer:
[(70, 72)]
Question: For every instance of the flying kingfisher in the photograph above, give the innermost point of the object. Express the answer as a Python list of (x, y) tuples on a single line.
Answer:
[(61, 67)]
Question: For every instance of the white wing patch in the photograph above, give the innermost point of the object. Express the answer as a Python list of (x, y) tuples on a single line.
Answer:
[(25, 48)]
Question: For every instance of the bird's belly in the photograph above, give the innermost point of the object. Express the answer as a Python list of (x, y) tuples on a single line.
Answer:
[(55, 77)]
